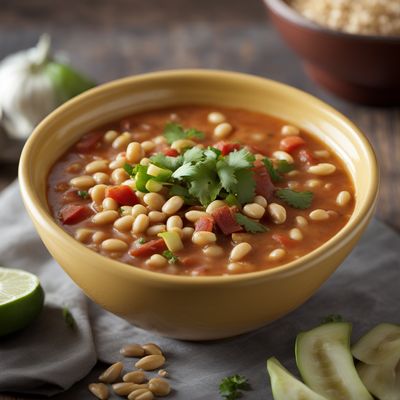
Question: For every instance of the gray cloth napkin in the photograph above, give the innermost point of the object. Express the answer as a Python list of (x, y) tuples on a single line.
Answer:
[(48, 357)]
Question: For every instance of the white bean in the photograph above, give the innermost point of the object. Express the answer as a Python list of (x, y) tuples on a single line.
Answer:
[(110, 136), (157, 216), (301, 221), (261, 200), (134, 152), (101, 177), (138, 209), (216, 117), (194, 215), (213, 251), (322, 169), (277, 213), (343, 198), (254, 210), (157, 261), (124, 224), (222, 130), (282, 155), (156, 229), (83, 182), (202, 238), (175, 221), (295, 234), (290, 130), (105, 217), (277, 254), (97, 193), (154, 200), (116, 245), (172, 205), (240, 251), (97, 166), (121, 141), (214, 205), (140, 224), (109, 204), (319, 215)]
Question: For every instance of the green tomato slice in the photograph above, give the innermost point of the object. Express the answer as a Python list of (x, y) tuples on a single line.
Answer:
[(287, 387), (378, 345), (326, 365), (382, 380)]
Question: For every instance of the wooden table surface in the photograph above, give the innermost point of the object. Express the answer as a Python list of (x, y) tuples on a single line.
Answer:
[(111, 39)]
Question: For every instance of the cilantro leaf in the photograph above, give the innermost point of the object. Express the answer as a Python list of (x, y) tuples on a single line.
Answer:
[(204, 184), (295, 199), (193, 155), (173, 131), (83, 194), (245, 187), (185, 170), (332, 318), (141, 240), (170, 256), (273, 173), (212, 152), (167, 162), (250, 225), (240, 159), (284, 167), (226, 174), (230, 386)]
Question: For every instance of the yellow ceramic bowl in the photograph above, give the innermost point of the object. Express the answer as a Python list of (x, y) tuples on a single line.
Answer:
[(195, 308)]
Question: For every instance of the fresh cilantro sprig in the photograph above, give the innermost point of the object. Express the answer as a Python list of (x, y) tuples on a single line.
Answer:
[(171, 257), (283, 167), (301, 200), (83, 194), (173, 131), (231, 386), (250, 225)]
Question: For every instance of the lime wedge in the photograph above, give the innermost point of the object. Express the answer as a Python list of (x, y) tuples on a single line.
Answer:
[(21, 299)]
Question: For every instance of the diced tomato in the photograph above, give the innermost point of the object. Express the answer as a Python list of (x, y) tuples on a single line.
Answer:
[(204, 224), (225, 220), (123, 195), (71, 196), (291, 143), (155, 246), (264, 185), (89, 142), (170, 152), (72, 214), (227, 147), (283, 240), (306, 157)]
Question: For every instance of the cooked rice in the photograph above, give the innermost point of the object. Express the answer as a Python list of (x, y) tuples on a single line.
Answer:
[(368, 17)]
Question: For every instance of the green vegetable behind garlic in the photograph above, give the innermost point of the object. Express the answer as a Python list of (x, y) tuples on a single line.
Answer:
[(32, 84)]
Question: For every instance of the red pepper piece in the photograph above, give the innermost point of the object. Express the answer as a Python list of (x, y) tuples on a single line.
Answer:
[(72, 214), (89, 142), (123, 195), (204, 224), (155, 246), (291, 143), (225, 220), (306, 157), (264, 185), (170, 152), (227, 147), (283, 240)]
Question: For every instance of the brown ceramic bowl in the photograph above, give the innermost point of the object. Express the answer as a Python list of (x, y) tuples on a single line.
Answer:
[(360, 68)]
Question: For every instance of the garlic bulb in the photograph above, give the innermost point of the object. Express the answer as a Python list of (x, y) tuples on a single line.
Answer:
[(32, 84)]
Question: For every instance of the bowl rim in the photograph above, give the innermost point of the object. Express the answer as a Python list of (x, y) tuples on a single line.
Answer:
[(282, 8), (43, 217)]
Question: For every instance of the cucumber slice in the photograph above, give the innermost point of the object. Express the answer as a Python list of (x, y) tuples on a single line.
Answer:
[(383, 380), (287, 387), (325, 362), (378, 345)]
